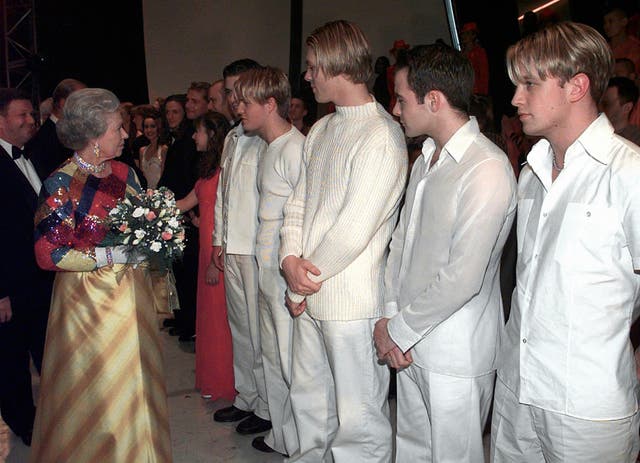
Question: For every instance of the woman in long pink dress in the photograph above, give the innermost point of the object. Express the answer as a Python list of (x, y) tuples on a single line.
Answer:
[(214, 357)]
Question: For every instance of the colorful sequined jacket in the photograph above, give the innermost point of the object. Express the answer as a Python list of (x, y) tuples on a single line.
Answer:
[(70, 221)]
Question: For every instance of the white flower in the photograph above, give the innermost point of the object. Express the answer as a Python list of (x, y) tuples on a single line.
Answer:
[(173, 222), (156, 246), (138, 212), (140, 234)]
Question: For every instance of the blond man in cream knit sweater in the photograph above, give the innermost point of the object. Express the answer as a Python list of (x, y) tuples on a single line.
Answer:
[(337, 226)]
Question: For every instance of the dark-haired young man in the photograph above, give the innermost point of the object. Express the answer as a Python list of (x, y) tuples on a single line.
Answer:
[(234, 249), (442, 284)]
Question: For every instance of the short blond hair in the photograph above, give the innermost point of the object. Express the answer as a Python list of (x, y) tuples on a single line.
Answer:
[(563, 50), (263, 83), (342, 48)]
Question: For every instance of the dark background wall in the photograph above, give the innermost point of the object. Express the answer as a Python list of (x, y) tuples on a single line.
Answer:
[(99, 43)]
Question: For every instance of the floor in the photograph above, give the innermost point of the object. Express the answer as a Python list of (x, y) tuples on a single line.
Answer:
[(196, 438)]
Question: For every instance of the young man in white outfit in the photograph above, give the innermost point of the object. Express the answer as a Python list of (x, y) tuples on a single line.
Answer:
[(442, 284), (263, 102), (567, 385), (336, 230), (234, 241)]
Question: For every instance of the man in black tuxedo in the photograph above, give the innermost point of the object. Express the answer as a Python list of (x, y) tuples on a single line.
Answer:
[(180, 175), (45, 150), (25, 289)]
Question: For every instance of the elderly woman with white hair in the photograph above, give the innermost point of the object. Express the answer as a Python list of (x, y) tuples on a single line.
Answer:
[(102, 394)]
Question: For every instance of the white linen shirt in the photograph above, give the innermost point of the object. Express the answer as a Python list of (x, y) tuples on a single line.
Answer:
[(444, 260), (236, 209), (566, 347)]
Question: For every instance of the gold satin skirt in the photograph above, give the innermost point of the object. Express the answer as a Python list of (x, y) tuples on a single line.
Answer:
[(102, 392)]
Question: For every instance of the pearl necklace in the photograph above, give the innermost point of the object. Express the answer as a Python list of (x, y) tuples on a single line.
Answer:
[(87, 166), (555, 164)]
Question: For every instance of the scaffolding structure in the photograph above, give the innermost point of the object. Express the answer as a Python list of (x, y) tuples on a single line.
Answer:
[(18, 47)]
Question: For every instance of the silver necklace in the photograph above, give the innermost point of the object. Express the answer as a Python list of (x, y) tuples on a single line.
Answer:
[(87, 166), (555, 164)]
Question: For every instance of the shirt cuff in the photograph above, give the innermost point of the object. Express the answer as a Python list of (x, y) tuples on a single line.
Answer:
[(295, 298), (390, 309), (401, 333)]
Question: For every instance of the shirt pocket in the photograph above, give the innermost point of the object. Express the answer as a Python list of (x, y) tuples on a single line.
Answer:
[(247, 176), (587, 236), (524, 208)]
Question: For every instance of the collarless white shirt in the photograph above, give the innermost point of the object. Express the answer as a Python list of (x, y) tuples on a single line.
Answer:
[(566, 346), (442, 274), (25, 167), (236, 209), (278, 174)]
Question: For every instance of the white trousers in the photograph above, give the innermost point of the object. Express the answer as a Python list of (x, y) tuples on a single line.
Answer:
[(241, 285), (528, 434), (339, 393), (276, 333), (440, 418)]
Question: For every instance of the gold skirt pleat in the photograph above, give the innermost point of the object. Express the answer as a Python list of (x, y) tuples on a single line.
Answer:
[(102, 393)]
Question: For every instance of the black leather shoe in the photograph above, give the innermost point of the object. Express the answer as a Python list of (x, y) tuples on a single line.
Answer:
[(253, 425), (169, 322), (230, 414), (258, 443)]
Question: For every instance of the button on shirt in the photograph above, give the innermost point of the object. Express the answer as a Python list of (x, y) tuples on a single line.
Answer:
[(566, 346), (443, 267), (25, 167)]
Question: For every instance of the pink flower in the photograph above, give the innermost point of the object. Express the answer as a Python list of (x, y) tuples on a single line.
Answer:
[(123, 227), (167, 235), (150, 215), (149, 192)]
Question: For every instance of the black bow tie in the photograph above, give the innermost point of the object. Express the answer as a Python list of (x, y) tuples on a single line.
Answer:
[(16, 152)]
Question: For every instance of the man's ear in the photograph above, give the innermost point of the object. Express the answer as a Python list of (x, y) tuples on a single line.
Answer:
[(627, 108), (433, 100), (579, 86), (271, 104)]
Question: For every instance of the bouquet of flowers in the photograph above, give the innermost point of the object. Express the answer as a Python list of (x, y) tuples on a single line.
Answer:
[(150, 225)]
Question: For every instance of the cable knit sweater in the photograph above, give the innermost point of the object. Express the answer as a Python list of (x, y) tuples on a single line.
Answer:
[(344, 208)]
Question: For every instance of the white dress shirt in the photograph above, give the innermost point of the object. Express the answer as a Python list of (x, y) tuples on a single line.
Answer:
[(236, 209), (25, 167), (567, 347), (443, 268)]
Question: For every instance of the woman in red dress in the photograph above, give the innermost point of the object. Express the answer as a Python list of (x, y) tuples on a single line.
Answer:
[(214, 356)]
